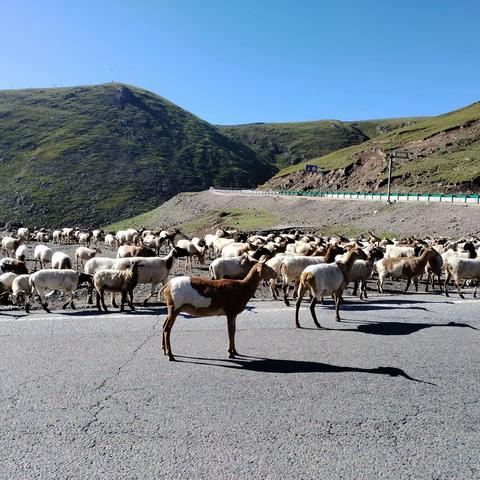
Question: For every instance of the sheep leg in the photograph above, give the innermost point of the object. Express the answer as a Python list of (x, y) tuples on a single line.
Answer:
[(409, 281), (98, 301), (123, 301), (363, 290), (90, 294), (273, 289), (114, 303), (430, 279), (439, 283), (380, 284), (231, 324), (285, 293), (102, 299), (312, 311), (72, 305), (457, 284), (355, 290), (445, 285), (43, 303), (130, 303), (151, 294), (301, 293), (415, 281), (338, 299)]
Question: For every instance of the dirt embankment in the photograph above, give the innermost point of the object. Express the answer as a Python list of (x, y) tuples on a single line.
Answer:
[(431, 166), (203, 211)]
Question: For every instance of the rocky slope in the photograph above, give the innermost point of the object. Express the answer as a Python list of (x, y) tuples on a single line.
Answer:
[(444, 156)]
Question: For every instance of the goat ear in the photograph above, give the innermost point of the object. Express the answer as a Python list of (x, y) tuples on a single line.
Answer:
[(263, 259)]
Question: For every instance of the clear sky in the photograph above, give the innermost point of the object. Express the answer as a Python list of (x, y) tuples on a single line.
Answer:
[(239, 61)]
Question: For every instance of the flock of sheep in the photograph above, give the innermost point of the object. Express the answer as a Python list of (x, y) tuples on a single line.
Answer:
[(321, 266)]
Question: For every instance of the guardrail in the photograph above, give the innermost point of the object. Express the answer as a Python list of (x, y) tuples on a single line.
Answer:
[(368, 196)]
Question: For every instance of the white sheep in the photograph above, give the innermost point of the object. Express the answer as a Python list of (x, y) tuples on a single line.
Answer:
[(462, 269), (236, 267), (127, 237), (21, 253), (110, 241), (42, 237), (97, 235), (193, 251), (10, 244), (94, 265), (6, 280), (123, 281), (57, 236), (235, 249), (152, 271), (61, 261), (83, 254), (219, 245), (84, 238), (324, 280), (24, 234), (292, 267), (42, 254), (21, 291), (60, 280), (393, 251)]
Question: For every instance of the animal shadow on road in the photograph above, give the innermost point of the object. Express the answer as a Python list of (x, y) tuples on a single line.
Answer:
[(392, 328), (270, 365)]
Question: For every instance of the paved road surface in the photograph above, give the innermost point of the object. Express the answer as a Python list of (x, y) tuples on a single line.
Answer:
[(391, 392)]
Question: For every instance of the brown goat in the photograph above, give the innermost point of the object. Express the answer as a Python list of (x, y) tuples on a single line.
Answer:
[(410, 268), (15, 266), (201, 297)]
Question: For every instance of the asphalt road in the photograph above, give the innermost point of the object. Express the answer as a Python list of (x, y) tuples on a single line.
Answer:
[(390, 392)]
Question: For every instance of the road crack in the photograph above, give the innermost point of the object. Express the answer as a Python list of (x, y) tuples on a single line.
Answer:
[(96, 408)]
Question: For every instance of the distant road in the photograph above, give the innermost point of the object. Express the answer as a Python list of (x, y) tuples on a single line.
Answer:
[(356, 196), (391, 392)]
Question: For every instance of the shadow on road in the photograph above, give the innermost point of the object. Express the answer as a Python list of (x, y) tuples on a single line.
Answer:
[(392, 328), (269, 365)]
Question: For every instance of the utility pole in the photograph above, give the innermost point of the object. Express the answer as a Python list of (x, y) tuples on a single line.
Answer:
[(402, 154), (390, 157)]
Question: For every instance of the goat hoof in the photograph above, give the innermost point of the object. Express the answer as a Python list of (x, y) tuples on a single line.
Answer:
[(171, 358), (231, 355)]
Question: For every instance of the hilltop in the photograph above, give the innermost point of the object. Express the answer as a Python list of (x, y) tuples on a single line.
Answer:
[(91, 154), (444, 157), (285, 144)]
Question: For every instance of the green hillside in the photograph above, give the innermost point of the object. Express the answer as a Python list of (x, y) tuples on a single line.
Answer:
[(88, 155), (444, 156), (287, 144)]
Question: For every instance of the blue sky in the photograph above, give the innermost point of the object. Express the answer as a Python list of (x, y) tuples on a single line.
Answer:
[(254, 60)]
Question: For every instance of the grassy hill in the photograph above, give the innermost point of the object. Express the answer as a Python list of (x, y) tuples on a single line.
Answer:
[(290, 143), (444, 157), (87, 155)]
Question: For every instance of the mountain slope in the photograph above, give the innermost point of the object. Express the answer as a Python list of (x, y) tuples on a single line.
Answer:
[(290, 143), (444, 157), (92, 154)]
